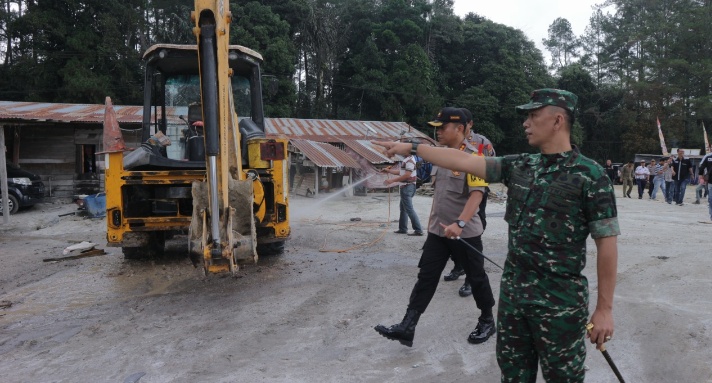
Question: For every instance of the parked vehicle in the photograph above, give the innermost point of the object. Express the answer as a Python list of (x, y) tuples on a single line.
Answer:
[(24, 188)]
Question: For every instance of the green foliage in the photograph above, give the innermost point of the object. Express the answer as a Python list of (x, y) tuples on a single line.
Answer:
[(562, 43), (489, 68), (257, 27), (658, 54), (402, 60)]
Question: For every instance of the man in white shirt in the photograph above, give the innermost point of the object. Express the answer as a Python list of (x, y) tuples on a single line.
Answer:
[(641, 178), (406, 174)]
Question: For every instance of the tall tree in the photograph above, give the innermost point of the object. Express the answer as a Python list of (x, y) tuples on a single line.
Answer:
[(75, 51), (490, 69), (386, 72), (592, 46), (257, 27), (654, 51), (562, 44)]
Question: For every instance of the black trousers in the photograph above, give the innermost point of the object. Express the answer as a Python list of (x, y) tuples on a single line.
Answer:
[(436, 252), (482, 212)]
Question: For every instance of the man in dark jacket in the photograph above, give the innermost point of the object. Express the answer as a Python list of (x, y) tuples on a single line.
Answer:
[(683, 175)]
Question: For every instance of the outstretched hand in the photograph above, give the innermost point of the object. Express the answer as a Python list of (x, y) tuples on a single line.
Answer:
[(391, 148)]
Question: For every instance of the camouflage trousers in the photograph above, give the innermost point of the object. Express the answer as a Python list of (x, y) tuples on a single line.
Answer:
[(530, 334)]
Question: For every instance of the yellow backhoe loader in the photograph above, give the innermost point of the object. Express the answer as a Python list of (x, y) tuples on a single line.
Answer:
[(205, 167)]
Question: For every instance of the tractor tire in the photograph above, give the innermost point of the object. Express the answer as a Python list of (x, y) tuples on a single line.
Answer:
[(133, 253), (270, 249), (13, 204), (155, 249)]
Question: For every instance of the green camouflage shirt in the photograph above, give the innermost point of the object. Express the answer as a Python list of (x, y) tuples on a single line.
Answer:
[(554, 203)]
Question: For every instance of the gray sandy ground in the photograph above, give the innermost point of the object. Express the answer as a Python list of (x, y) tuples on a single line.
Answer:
[(308, 315)]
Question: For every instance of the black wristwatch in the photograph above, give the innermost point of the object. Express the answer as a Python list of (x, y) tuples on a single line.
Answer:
[(414, 148), (461, 223)]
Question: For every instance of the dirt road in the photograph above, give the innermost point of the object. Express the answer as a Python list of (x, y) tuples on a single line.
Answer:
[(308, 315)]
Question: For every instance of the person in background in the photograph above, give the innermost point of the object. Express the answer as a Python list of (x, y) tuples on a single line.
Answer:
[(627, 178), (683, 175), (705, 170), (651, 176), (555, 200), (454, 228), (668, 173), (406, 173), (641, 178), (658, 179), (610, 171), (700, 189)]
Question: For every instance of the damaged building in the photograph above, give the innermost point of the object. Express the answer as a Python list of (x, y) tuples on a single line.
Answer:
[(62, 143)]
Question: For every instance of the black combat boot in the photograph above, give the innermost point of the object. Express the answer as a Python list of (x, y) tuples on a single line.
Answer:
[(454, 274), (465, 290), (403, 331), (484, 330)]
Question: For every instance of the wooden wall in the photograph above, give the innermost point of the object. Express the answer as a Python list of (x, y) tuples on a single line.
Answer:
[(53, 152)]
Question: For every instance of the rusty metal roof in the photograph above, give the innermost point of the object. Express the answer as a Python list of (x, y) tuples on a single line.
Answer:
[(354, 134), (68, 113), (294, 127), (367, 150), (325, 155), (319, 130)]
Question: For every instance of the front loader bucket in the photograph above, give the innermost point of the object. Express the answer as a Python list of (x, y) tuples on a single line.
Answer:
[(239, 242)]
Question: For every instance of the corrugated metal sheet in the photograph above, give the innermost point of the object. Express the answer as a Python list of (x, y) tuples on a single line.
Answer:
[(367, 150), (354, 134), (293, 127), (325, 155), (290, 127), (68, 113)]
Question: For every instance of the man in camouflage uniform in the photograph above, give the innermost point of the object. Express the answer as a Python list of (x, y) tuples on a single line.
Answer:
[(555, 200)]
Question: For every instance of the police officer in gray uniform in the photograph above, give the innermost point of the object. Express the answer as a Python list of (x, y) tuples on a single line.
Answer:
[(453, 217), (485, 148)]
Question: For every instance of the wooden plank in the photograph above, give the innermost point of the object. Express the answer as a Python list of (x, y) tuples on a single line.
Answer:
[(88, 136), (45, 161), (89, 253)]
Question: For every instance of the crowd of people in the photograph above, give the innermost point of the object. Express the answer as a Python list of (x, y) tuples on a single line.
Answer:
[(668, 175)]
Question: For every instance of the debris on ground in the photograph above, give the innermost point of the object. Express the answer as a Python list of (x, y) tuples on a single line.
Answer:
[(426, 189), (84, 254), (78, 248)]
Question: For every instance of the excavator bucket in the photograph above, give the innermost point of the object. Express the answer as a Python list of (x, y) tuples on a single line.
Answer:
[(239, 241)]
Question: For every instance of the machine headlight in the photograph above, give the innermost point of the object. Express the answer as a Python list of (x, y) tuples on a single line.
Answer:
[(21, 181)]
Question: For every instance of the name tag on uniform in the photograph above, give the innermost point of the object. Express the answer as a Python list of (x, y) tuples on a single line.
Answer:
[(473, 181)]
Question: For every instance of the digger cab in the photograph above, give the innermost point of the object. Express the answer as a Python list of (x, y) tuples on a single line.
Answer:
[(172, 102)]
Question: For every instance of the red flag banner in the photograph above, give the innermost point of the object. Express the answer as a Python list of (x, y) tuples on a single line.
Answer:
[(662, 140), (708, 149)]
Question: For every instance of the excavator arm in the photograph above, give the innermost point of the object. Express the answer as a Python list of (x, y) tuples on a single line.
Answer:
[(200, 168), (213, 236)]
